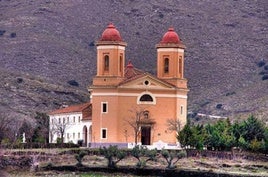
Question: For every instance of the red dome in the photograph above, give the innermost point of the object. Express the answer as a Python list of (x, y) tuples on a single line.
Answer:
[(170, 37), (111, 34)]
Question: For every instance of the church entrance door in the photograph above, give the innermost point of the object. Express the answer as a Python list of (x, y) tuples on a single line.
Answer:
[(145, 135)]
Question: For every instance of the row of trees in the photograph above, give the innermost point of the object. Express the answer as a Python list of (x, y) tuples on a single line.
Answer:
[(251, 134), (141, 153)]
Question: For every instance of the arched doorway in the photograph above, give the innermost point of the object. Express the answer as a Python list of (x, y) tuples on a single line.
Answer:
[(85, 133)]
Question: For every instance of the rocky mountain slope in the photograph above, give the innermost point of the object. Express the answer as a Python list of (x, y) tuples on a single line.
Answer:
[(54, 40)]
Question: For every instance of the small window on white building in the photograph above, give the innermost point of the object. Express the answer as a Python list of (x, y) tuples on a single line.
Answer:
[(59, 120), (74, 119), (181, 110), (68, 120), (64, 120), (104, 107), (104, 133), (79, 119), (78, 135), (73, 135)]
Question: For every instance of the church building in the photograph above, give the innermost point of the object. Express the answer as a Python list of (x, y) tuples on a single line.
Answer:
[(131, 106)]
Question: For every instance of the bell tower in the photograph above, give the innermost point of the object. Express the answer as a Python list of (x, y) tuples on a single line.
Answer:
[(110, 57), (170, 59)]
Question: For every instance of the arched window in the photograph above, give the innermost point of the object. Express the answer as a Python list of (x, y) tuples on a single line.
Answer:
[(146, 97), (146, 114), (166, 65), (106, 63)]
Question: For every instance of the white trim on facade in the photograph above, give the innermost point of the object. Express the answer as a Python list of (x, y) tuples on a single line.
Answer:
[(137, 94), (170, 50), (111, 47)]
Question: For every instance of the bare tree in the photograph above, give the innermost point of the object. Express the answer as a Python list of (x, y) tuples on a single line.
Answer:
[(174, 125), (4, 125), (135, 121), (59, 126), (139, 117), (9, 128)]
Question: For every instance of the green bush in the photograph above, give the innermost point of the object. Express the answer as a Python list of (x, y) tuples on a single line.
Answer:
[(113, 155), (79, 157), (59, 140), (172, 157), (143, 155), (250, 134)]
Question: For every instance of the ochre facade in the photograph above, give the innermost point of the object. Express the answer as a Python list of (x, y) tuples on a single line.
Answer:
[(129, 105)]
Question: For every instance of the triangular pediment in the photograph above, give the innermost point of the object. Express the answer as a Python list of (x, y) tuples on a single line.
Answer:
[(146, 81)]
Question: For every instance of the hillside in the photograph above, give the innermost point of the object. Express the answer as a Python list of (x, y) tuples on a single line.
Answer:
[(54, 40)]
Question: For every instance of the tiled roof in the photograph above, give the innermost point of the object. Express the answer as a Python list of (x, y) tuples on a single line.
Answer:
[(132, 73), (70, 109)]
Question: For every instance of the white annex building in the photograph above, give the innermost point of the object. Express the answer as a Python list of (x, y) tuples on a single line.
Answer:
[(74, 122)]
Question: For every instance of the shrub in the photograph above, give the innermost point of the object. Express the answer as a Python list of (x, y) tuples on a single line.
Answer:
[(143, 155), (261, 63), (113, 155), (13, 35), (80, 142), (2, 32), (91, 44), (79, 157), (19, 80), (161, 15), (59, 140), (172, 157), (73, 83), (264, 77), (256, 145), (230, 93), (263, 73), (219, 106)]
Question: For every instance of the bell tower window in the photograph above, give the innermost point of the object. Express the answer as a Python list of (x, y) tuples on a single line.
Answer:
[(166, 65), (180, 65), (120, 62), (106, 63)]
